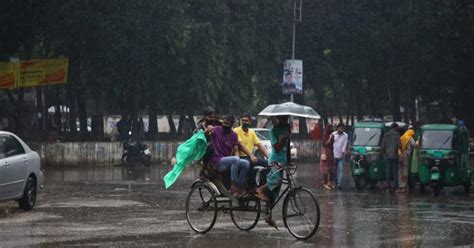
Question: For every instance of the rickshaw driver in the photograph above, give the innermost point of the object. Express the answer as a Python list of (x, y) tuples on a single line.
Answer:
[(226, 155), (280, 138)]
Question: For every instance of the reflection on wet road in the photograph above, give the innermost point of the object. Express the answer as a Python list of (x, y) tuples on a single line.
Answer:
[(113, 206)]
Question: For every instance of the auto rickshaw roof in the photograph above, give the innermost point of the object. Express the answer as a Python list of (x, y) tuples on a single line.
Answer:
[(369, 124), (447, 127)]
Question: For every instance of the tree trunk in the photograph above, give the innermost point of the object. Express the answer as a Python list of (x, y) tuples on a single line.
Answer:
[(97, 126), (82, 116), (171, 124), (395, 103), (152, 124), (40, 113), (57, 110), (303, 132), (71, 95), (181, 124), (97, 123)]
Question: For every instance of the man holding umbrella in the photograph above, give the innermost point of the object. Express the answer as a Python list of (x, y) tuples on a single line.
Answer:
[(280, 139)]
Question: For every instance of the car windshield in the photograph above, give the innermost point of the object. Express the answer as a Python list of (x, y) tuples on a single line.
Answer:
[(435, 139), (366, 136), (263, 134)]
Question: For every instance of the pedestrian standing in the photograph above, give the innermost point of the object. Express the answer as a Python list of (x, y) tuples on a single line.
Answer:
[(390, 145), (340, 139), (407, 144), (326, 163)]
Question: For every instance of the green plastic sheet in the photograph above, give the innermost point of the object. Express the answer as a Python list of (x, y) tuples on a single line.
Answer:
[(191, 150)]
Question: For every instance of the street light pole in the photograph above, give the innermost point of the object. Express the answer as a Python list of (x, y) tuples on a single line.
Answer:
[(296, 18)]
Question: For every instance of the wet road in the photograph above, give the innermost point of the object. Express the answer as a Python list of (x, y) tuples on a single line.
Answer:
[(112, 207)]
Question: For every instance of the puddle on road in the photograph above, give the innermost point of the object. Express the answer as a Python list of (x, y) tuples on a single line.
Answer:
[(93, 204), (147, 214)]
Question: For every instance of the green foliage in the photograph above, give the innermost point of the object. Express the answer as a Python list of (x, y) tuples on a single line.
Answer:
[(360, 57)]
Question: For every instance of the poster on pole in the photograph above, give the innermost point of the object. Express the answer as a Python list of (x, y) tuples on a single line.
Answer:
[(8, 75), (292, 77)]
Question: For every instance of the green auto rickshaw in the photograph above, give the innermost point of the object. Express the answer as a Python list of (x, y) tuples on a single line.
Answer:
[(367, 165), (443, 157)]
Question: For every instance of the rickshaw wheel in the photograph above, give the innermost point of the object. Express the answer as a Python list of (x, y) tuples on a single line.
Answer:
[(301, 213), (246, 215), (422, 189), (360, 182), (201, 208), (436, 188), (372, 184), (467, 188)]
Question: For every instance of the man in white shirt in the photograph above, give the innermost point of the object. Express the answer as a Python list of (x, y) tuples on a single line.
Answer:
[(340, 139)]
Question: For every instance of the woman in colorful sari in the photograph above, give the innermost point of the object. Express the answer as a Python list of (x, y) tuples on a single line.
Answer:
[(408, 143)]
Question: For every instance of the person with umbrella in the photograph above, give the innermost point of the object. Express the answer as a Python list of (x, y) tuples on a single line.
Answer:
[(280, 138)]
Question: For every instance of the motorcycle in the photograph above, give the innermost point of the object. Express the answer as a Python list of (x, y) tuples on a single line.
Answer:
[(135, 153)]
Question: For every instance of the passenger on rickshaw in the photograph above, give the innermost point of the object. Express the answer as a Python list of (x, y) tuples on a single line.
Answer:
[(248, 139), (208, 118), (225, 155)]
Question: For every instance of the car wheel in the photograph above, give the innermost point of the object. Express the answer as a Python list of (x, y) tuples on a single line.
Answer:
[(27, 202)]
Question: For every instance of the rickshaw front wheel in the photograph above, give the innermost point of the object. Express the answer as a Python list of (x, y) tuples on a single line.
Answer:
[(201, 208), (301, 213)]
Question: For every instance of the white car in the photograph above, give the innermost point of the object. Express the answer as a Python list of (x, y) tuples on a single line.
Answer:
[(20, 171), (264, 135)]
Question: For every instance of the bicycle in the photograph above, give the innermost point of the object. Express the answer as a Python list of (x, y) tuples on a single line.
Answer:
[(208, 196)]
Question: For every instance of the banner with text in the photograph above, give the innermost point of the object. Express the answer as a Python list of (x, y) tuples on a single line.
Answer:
[(8, 75), (43, 72)]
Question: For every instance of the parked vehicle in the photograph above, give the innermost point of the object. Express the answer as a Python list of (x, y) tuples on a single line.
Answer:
[(368, 166), (20, 171), (264, 135), (444, 157), (135, 153)]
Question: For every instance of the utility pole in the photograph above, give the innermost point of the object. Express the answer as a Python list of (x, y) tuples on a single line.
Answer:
[(297, 9)]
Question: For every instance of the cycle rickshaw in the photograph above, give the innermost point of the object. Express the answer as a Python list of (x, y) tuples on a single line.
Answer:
[(300, 210), (208, 196)]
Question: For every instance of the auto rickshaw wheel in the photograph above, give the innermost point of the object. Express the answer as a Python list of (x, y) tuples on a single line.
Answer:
[(422, 189), (360, 182), (467, 188), (436, 188), (372, 184)]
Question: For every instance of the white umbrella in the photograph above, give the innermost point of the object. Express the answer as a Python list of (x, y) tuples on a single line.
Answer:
[(290, 108)]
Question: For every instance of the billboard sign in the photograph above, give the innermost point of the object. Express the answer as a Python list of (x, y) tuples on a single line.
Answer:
[(43, 72), (8, 75)]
